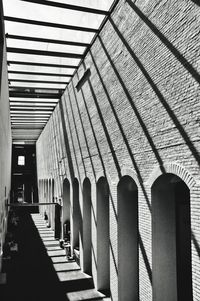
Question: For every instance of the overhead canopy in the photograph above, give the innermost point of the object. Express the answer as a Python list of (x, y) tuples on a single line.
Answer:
[(46, 41)]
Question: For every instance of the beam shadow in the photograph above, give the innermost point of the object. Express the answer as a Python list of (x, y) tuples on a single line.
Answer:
[(84, 133), (66, 139), (160, 97), (32, 275), (108, 140), (145, 258), (76, 131), (122, 132), (166, 42), (129, 98), (196, 2), (196, 244), (104, 126), (63, 108)]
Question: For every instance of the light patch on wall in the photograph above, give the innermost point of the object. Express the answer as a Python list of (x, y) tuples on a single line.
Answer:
[(21, 160)]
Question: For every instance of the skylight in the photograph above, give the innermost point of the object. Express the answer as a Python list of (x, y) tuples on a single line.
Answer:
[(46, 41)]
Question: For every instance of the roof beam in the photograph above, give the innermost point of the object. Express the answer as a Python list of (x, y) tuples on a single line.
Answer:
[(15, 107), (45, 40), (40, 64), (32, 110), (34, 89), (38, 95), (34, 102), (44, 52), (28, 115), (69, 6), (21, 127), (49, 24), (36, 81), (29, 119), (39, 73)]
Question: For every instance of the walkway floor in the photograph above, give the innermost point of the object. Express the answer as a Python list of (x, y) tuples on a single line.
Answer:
[(40, 270)]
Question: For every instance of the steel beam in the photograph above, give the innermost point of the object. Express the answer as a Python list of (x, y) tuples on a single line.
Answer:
[(36, 81), (34, 95), (41, 64), (39, 73), (31, 110), (33, 89), (45, 40), (44, 52), (70, 7), (49, 24), (34, 102)]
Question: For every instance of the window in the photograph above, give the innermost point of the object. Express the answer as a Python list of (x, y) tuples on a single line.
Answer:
[(21, 160)]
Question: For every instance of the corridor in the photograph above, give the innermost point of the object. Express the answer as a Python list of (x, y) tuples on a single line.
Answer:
[(100, 150), (40, 270)]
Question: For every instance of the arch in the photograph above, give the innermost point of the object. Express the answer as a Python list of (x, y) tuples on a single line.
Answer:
[(173, 168), (66, 210), (127, 196), (49, 200), (103, 236), (171, 239), (76, 216), (53, 190), (45, 195), (87, 256)]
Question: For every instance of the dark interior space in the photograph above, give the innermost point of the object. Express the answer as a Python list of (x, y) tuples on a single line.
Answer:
[(24, 174)]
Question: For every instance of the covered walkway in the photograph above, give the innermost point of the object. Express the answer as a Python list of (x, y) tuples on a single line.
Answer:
[(39, 269)]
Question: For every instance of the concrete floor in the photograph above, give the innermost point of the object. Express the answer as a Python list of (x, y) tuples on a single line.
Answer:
[(40, 269)]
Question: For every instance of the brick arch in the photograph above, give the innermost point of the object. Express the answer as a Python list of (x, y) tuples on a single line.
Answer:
[(84, 178), (175, 169), (127, 171), (107, 176)]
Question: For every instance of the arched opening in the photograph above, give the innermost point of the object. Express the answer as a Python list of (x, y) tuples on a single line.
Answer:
[(45, 197), (103, 236), (77, 224), (128, 240), (42, 198), (53, 206), (171, 262), (66, 210), (40, 194), (87, 256), (49, 201)]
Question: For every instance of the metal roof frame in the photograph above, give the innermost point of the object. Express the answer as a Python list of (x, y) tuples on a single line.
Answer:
[(41, 101)]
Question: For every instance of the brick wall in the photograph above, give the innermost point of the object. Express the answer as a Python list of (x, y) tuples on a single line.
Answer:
[(137, 115), (5, 143)]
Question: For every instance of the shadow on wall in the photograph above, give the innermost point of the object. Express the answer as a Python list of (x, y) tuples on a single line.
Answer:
[(179, 57), (68, 124)]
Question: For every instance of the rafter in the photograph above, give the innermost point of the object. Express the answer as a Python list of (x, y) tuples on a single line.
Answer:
[(41, 64), (45, 40), (49, 24), (69, 6), (39, 73), (44, 52)]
